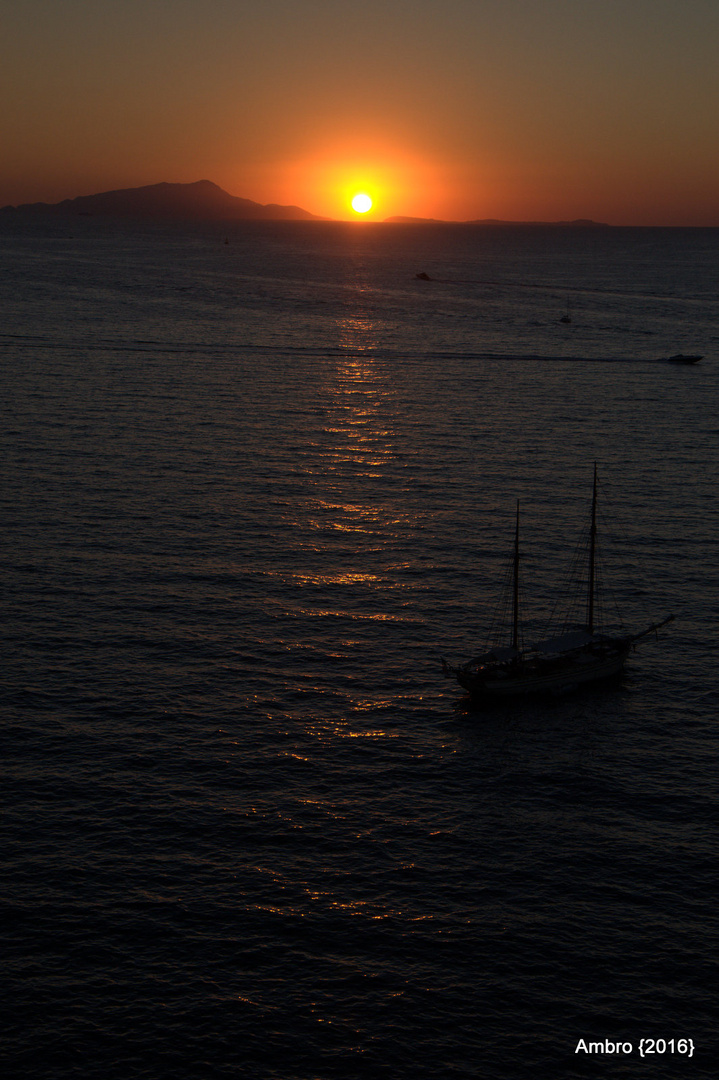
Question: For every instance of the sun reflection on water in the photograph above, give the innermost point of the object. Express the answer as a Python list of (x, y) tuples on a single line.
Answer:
[(334, 579), (359, 396), (357, 332), (351, 521)]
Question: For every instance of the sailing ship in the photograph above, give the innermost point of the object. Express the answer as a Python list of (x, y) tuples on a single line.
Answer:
[(558, 664)]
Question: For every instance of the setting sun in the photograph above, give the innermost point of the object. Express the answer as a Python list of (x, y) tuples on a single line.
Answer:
[(331, 181), (361, 203)]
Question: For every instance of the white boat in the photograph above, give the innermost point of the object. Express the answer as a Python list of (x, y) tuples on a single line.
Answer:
[(558, 664)]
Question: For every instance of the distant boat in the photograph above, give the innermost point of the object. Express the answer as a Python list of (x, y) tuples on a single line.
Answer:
[(681, 358), (557, 665)]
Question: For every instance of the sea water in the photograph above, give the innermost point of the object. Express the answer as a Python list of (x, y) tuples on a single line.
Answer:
[(257, 480)]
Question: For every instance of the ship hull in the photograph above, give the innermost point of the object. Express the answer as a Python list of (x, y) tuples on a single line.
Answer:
[(535, 679)]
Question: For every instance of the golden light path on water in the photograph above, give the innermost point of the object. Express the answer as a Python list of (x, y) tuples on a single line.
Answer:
[(344, 463), (352, 448)]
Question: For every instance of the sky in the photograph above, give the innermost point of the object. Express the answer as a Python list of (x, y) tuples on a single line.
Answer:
[(454, 109)]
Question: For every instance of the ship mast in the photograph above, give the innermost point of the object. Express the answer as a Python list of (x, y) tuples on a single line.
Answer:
[(515, 587), (592, 556)]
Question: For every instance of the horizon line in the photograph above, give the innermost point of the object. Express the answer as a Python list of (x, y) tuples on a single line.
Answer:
[(279, 212)]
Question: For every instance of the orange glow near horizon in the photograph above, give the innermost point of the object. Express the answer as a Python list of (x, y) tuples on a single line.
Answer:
[(410, 104), (397, 183)]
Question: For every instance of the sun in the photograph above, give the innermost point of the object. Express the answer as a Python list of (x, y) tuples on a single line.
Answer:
[(361, 203)]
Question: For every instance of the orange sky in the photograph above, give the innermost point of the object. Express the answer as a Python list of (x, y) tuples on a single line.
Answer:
[(518, 109)]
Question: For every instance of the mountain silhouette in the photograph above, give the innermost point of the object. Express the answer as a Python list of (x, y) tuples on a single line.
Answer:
[(201, 201)]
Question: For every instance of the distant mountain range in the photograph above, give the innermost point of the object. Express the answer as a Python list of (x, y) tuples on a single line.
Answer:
[(205, 201), (201, 201)]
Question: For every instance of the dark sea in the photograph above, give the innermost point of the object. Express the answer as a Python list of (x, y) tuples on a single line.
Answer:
[(252, 492)]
